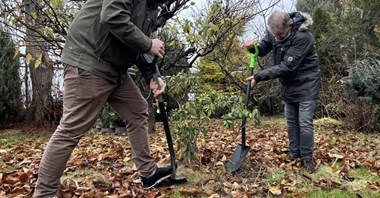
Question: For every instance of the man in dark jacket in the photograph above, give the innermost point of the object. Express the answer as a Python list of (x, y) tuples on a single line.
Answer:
[(103, 41), (296, 64)]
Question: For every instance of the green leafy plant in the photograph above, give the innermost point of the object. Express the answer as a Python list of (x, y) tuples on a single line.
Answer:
[(193, 115)]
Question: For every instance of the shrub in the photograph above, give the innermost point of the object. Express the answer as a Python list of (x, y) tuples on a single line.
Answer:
[(193, 116), (362, 116), (10, 83), (363, 88), (363, 82)]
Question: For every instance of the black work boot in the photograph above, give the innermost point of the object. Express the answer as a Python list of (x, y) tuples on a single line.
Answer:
[(290, 157), (309, 164), (160, 174)]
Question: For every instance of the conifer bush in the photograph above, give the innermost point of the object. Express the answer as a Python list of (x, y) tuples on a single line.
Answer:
[(10, 83), (363, 88)]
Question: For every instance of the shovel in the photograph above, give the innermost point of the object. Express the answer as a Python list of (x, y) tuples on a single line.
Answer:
[(242, 149), (173, 179)]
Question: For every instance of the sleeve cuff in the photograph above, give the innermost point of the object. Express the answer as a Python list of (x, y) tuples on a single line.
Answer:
[(150, 46), (257, 78)]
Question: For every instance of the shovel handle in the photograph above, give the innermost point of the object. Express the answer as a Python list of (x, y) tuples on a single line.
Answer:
[(253, 56), (155, 78), (248, 91), (165, 122), (152, 60), (244, 119)]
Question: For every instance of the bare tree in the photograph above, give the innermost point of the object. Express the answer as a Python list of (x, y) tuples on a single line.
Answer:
[(39, 29)]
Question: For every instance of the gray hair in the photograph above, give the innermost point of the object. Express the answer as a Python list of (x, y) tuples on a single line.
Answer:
[(278, 20)]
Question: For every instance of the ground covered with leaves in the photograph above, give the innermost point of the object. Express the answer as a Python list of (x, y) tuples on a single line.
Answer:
[(348, 165)]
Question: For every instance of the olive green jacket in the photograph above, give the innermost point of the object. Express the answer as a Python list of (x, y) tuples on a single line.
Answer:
[(106, 37)]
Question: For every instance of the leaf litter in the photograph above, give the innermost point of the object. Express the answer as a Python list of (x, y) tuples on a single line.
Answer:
[(102, 165)]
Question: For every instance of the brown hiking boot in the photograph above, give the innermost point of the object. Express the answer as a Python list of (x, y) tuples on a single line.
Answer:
[(309, 164)]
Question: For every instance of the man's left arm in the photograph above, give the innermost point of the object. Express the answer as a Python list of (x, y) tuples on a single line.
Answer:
[(116, 15)]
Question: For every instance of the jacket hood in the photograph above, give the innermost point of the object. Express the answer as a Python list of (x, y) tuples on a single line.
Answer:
[(301, 20)]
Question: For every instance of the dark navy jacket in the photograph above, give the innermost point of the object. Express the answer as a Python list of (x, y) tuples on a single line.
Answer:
[(296, 62)]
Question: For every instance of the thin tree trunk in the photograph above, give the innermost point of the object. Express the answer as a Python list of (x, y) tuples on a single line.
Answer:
[(26, 81), (41, 77)]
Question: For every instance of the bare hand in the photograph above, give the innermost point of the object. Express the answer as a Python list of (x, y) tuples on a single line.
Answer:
[(158, 48), (250, 44), (154, 87), (253, 81)]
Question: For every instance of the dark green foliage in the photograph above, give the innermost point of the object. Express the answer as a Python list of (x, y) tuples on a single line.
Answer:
[(308, 5), (364, 81), (108, 118), (10, 83), (321, 29), (363, 87), (194, 115), (345, 32)]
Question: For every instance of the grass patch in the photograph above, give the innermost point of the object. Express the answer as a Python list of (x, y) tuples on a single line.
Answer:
[(363, 173), (362, 176), (359, 185), (335, 193), (368, 193), (274, 176), (194, 178), (368, 136), (11, 138), (326, 172), (273, 121), (176, 194), (15, 137), (328, 122), (305, 188), (7, 169)]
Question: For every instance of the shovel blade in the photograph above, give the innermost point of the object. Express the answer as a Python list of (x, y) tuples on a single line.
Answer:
[(237, 158)]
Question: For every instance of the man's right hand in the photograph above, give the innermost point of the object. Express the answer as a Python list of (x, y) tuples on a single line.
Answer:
[(158, 48), (253, 81), (250, 44), (154, 87)]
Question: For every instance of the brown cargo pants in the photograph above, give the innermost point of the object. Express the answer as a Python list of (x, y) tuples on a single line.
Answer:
[(84, 96)]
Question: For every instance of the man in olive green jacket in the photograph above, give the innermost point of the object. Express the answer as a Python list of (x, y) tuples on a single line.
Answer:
[(103, 41)]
